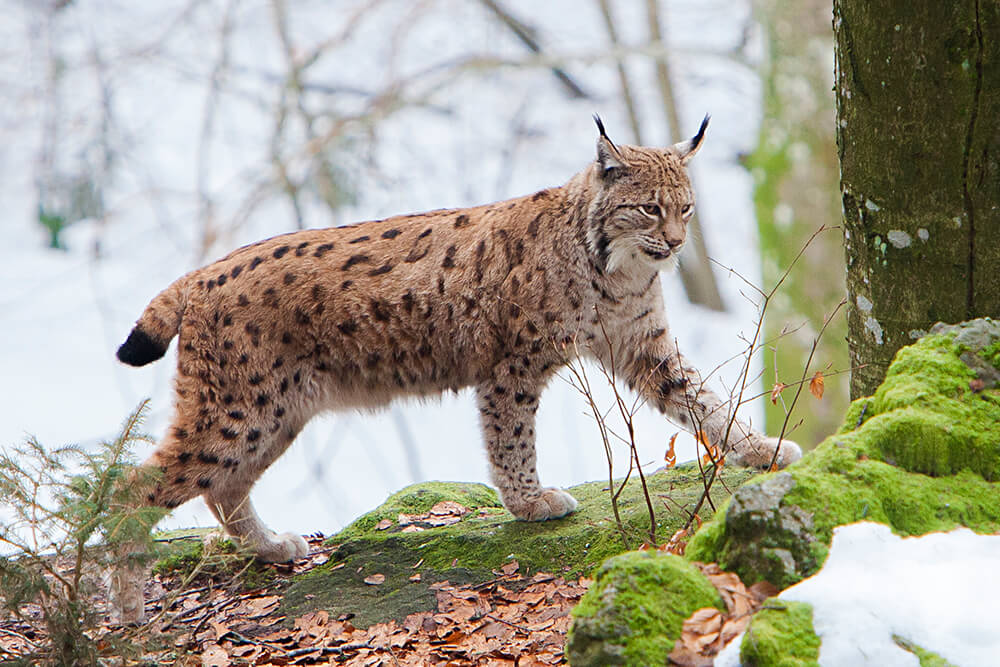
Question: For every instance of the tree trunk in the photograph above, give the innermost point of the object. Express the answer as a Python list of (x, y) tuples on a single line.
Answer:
[(918, 132)]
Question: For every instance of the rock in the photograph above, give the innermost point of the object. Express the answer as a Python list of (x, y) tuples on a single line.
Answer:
[(920, 455), (468, 547), (635, 609)]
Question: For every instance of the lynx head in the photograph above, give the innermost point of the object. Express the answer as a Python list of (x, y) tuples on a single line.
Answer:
[(642, 201)]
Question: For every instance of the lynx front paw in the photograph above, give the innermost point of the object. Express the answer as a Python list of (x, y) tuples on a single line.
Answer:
[(281, 548), (549, 504), (759, 452), (789, 453)]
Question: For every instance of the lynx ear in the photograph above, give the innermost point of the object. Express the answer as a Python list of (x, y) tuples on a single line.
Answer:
[(608, 156), (685, 150)]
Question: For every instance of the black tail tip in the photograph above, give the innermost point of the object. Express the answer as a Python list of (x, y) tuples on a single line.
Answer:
[(139, 349)]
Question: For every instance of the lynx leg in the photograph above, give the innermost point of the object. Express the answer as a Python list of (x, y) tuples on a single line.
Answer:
[(233, 509), (507, 411), (676, 388)]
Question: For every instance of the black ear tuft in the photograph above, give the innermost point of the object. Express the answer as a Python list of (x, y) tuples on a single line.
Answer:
[(697, 139), (685, 150), (608, 157), (600, 125)]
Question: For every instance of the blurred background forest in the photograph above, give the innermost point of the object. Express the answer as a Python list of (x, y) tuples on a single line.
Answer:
[(141, 140)]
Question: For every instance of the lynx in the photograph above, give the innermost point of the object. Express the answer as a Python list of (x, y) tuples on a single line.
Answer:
[(495, 297)]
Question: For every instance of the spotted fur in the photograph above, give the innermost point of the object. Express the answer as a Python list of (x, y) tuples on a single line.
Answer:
[(495, 297)]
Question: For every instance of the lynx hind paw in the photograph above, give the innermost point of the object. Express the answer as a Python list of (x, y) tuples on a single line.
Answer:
[(549, 504), (282, 548)]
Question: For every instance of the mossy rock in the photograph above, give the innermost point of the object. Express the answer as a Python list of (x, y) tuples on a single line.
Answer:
[(921, 455), (926, 658), (484, 540), (634, 611), (781, 635)]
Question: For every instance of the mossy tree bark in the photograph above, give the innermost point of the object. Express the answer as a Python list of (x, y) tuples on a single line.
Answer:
[(918, 132)]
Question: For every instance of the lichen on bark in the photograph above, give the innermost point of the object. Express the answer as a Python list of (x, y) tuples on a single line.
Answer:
[(918, 134)]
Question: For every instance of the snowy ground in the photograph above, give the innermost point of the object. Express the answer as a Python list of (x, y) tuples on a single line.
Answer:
[(482, 137), (940, 592)]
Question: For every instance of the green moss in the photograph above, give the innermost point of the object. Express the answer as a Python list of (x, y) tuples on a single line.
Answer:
[(920, 455), (484, 540), (182, 552), (927, 658), (991, 353), (420, 498), (781, 635), (635, 609)]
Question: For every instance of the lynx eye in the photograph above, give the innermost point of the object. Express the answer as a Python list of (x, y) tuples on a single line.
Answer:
[(686, 209), (652, 210)]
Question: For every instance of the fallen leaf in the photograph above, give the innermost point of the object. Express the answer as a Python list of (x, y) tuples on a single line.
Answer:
[(214, 656), (676, 544), (374, 579), (510, 568), (763, 590), (776, 391), (701, 629), (262, 605), (384, 524), (407, 519), (221, 629), (816, 384), (415, 577), (449, 507), (671, 456)]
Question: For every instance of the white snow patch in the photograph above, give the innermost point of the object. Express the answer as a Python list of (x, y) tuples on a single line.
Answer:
[(923, 234), (863, 303), (899, 239), (872, 325), (872, 206), (940, 591)]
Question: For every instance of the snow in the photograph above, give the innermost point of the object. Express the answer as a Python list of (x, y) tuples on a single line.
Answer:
[(940, 591)]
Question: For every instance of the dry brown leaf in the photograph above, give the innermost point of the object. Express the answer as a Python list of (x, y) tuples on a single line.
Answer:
[(704, 622), (407, 519), (676, 544), (384, 524), (220, 629), (449, 507), (510, 568), (412, 529), (415, 577), (731, 628), (374, 579), (776, 391), (262, 605), (816, 384), (763, 590), (214, 656), (671, 456)]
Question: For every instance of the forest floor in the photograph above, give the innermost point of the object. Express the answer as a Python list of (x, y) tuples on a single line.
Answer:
[(217, 618)]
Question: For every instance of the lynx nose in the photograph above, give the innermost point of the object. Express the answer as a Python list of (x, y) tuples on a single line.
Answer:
[(673, 243)]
